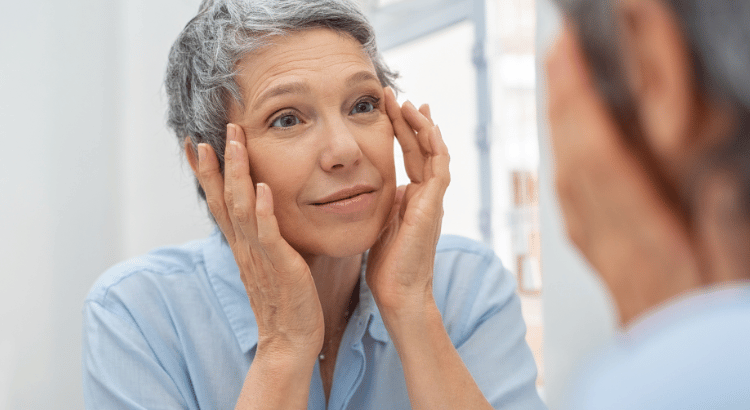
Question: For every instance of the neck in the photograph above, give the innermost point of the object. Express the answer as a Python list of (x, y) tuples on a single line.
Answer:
[(717, 254), (724, 230), (335, 280)]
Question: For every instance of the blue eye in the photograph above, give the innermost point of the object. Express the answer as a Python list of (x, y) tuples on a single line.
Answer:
[(363, 107), (285, 121)]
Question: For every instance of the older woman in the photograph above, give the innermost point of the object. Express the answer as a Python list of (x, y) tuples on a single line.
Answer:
[(657, 91), (326, 287)]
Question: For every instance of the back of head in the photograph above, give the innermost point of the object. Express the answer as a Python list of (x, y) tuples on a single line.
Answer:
[(717, 32), (200, 78)]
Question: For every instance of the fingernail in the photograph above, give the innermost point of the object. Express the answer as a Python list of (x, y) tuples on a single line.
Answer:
[(407, 102), (230, 132), (260, 191)]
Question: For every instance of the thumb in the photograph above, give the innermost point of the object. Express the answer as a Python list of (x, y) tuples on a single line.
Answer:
[(280, 254)]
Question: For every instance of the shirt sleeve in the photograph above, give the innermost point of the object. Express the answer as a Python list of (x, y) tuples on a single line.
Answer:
[(483, 318), (120, 368)]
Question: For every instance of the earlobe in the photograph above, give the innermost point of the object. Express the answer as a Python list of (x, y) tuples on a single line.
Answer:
[(660, 74), (192, 155)]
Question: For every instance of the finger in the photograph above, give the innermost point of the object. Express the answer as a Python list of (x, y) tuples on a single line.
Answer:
[(425, 110), (280, 254), (238, 186), (413, 156), (212, 182), (397, 199), (420, 124), (440, 161), (425, 131), (439, 176)]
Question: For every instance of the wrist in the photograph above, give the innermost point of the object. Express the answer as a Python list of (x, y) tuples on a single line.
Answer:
[(287, 353), (414, 318), (399, 300)]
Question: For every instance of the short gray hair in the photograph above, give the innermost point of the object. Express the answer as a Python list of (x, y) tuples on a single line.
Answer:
[(718, 35), (200, 79)]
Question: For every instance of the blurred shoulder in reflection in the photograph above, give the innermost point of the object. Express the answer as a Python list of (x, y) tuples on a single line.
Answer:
[(649, 105)]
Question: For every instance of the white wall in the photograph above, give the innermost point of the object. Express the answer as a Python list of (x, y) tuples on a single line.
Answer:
[(89, 174), (57, 215), (578, 315)]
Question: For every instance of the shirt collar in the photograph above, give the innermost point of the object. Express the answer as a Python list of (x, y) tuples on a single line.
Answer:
[(224, 276), (368, 309)]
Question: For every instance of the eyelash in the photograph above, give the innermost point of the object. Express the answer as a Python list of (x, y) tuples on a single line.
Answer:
[(374, 101), (283, 115), (368, 99)]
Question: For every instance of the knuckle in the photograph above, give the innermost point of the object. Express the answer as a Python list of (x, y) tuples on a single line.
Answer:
[(240, 213), (243, 260), (447, 179), (214, 205), (228, 198), (205, 173), (265, 238)]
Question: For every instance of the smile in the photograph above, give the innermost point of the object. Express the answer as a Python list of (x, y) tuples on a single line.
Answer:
[(351, 200)]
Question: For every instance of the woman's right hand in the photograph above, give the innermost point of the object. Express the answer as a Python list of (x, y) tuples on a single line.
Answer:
[(277, 279)]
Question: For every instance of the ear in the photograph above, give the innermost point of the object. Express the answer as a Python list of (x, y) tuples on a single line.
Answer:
[(660, 72), (192, 155)]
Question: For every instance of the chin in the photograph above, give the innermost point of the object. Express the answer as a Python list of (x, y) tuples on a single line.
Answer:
[(340, 243), (352, 242)]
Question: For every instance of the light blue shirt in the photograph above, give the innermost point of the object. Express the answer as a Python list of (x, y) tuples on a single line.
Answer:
[(693, 353), (174, 330)]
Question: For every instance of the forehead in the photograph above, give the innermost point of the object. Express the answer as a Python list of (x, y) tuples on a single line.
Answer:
[(319, 54)]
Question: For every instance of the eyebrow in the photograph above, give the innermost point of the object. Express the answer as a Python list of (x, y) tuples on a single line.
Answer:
[(360, 77), (288, 88), (298, 87)]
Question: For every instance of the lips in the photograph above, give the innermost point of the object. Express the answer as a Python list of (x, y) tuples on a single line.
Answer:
[(344, 194)]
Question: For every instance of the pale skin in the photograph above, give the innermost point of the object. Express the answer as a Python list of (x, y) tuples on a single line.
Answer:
[(316, 120), (635, 236)]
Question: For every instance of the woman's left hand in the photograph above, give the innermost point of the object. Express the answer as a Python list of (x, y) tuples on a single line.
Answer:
[(399, 269), (400, 266)]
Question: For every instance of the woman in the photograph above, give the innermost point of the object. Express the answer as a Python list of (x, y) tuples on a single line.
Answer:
[(658, 91), (287, 118)]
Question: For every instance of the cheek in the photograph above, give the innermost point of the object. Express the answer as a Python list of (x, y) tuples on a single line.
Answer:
[(281, 169)]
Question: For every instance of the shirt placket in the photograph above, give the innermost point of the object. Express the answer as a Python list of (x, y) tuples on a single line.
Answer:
[(350, 363)]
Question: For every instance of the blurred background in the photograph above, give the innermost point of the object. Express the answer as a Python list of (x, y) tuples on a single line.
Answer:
[(90, 175)]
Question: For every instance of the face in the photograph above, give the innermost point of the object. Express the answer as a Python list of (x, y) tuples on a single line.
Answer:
[(318, 135)]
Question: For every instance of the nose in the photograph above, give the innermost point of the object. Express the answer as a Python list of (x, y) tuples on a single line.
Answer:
[(340, 147)]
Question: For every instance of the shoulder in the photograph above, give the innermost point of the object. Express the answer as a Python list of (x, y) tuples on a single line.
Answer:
[(148, 272), (471, 284), (465, 263), (461, 244), (708, 351)]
